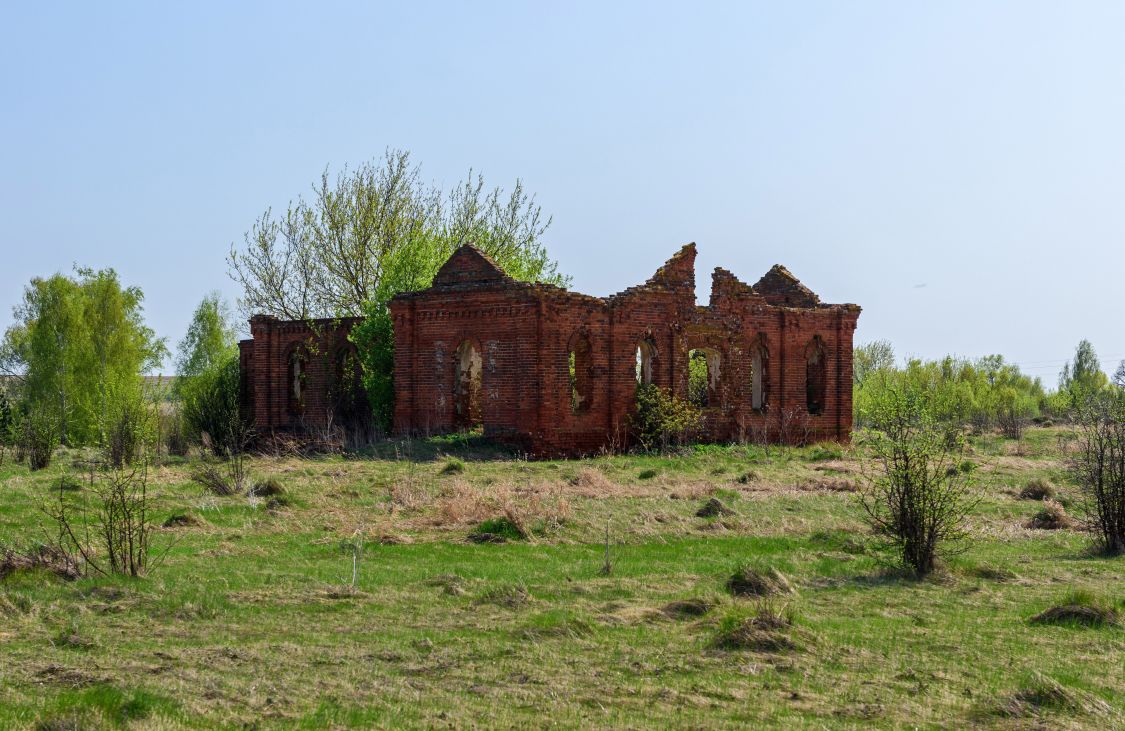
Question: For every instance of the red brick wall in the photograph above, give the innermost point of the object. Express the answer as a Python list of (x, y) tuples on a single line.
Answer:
[(525, 331), (266, 375)]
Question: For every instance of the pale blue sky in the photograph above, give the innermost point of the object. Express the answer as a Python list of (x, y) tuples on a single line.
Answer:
[(976, 148)]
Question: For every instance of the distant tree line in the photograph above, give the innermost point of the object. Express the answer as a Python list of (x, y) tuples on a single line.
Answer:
[(986, 392)]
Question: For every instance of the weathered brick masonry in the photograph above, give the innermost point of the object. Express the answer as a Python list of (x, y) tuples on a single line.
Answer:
[(556, 372), (296, 374)]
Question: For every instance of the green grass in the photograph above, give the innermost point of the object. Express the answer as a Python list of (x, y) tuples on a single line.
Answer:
[(250, 618)]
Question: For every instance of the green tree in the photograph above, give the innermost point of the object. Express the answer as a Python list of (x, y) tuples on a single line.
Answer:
[(75, 342), (871, 358), (983, 392), (1082, 377), (379, 230), (210, 338), (211, 407)]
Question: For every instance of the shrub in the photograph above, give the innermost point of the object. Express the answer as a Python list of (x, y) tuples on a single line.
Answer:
[(39, 437), (1098, 467), (173, 433), (211, 408), (7, 425), (914, 501), (125, 431), (1037, 489), (120, 520), (224, 478), (662, 420)]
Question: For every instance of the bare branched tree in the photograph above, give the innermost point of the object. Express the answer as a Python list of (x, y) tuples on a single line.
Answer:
[(1098, 466), (378, 230)]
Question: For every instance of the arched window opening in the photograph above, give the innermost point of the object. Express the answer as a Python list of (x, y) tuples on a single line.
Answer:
[(758, 361), (816, 376), (703, 377), (580, 369), (646, 353), (467, 382), (298, 379), (348, 396)]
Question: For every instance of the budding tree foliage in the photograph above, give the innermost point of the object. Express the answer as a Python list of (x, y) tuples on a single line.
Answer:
[(377, 230)]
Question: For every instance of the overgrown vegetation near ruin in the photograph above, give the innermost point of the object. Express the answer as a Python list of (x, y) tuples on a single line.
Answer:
[(346, 592)]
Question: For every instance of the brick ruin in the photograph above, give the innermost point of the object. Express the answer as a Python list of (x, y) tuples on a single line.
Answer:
[(555, 372)]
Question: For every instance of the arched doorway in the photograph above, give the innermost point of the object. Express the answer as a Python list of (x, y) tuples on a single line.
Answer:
[(467, 386)]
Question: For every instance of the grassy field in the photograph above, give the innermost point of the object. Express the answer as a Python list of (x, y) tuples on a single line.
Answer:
[(251, 621)]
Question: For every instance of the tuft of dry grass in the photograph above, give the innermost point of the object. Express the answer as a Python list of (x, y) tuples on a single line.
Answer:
[(38, 557), (1042, 694), (409, 495), (687, 608), (768, 630), (748, 581), (1037, 489), (592, 482), (1052, 517), (713, 508)]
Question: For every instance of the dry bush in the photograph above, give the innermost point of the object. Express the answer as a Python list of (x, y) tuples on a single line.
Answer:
[(1099, 467), (223, 478), (120, 522), (1052, 517)]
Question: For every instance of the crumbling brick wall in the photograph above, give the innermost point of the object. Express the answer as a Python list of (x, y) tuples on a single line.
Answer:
[(293, 371), (556, 371), (559, 369)]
